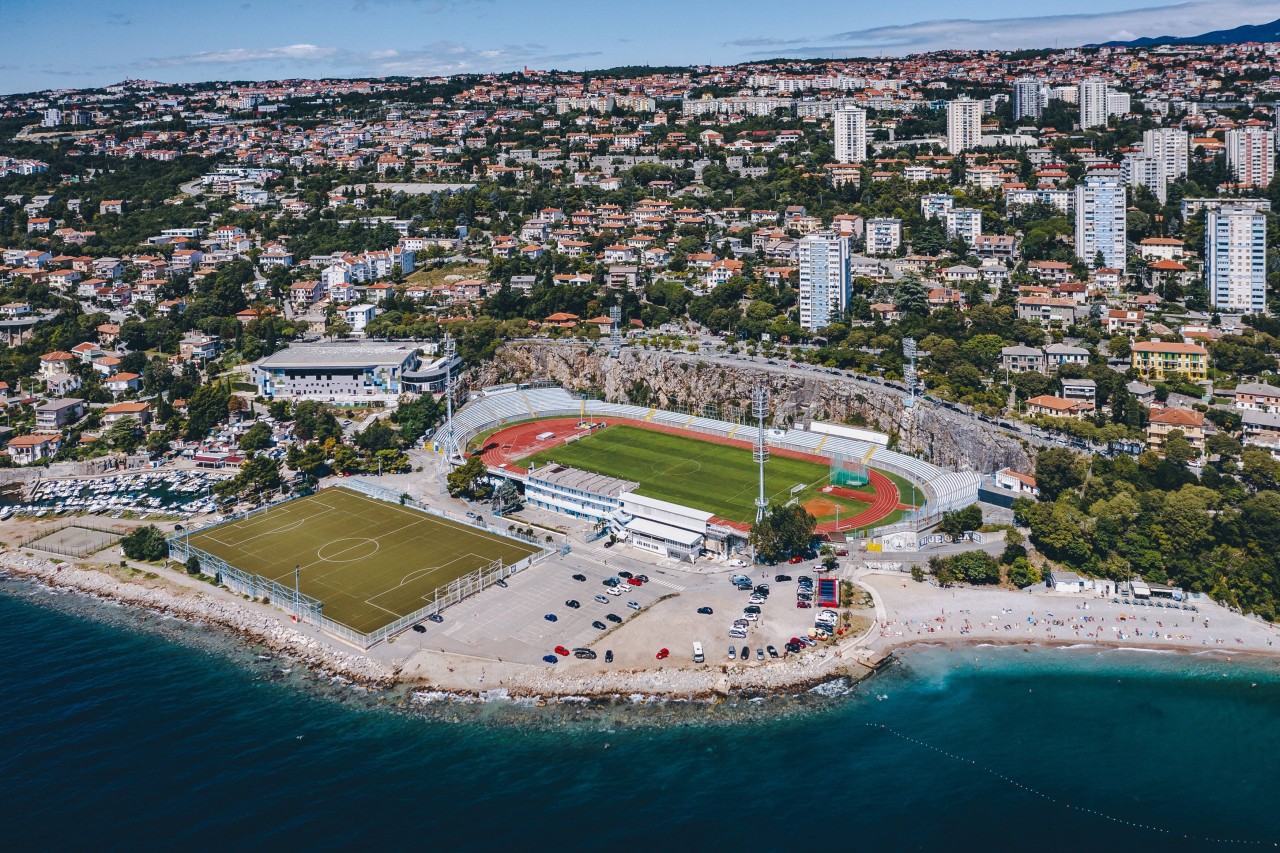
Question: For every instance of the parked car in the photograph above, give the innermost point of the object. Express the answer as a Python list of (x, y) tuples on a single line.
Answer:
[(573, 602), (580, 577), (663, 654), (550, 658), (562, 651), (733, 653), (796, 560), (759, 654), (756, 599), (598, 625), (744, 653), (802, 604), (610, 581), (705, 611), (773, 653), (608, 655), (615, 590), (435, 617), (602, 599), (803, 596), (634, 605), (550, 617), (584, 654), (751, 608), (738, 633), (500, 582), (792, 647), (642, 578), (614, 618), (624, 574), (781, 578), (762, 589), (420, 629), (635, 582), (737, 563), (752, 617)]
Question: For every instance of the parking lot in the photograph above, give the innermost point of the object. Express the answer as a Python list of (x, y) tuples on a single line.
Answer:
[(510, 623)]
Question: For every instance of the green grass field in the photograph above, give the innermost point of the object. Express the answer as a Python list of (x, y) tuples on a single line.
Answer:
[(369, 561), (711, 477)]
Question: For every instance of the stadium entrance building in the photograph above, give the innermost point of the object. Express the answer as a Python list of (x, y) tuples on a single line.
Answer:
[(575, 493), (662, 527)]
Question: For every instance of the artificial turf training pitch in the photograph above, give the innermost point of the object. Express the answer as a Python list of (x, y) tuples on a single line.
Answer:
[(716, 478), (369, 561)]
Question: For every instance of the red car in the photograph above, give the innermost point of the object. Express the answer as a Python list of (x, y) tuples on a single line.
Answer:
[(797, 641), (562, 651), (804, 604), (663, 654), (796, 560), (635, 581)]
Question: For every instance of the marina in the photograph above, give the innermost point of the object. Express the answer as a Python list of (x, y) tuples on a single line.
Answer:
[(169, 494)]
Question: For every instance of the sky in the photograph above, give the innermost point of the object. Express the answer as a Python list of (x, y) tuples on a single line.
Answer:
[(81, 43)]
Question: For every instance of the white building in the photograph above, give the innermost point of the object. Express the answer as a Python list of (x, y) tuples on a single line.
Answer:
[(936, 205), (850, 126), (1171, 146), (884, 236), (965, 222), (52, 117), (1142, 170), (1093, 103), (964, 125), (1026, 98), (340, 373), (1251, 154), (664, 528), (1236, 259), (1119, 103), (1100, 217), (825, 281)]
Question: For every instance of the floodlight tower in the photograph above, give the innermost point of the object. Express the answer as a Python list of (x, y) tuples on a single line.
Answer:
[(615, 331), (450, 349), (909, 370), (760, 450)]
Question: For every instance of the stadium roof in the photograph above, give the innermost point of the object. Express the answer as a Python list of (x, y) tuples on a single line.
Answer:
[(340, 355)]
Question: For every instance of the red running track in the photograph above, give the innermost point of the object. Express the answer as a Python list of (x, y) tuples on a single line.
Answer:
[(513, 443)]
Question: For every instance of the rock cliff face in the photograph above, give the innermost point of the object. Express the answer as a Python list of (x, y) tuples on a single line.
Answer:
[(651, 378)]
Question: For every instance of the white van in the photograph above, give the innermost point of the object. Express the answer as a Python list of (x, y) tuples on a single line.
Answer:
[(697, 653)]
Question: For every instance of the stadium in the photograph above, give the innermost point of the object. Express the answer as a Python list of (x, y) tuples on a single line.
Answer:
[(351, 560), (681, 485)]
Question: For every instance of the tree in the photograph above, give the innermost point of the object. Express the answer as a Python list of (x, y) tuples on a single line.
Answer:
[(785, 530), (206, 408), (1177, 449), (256, 437), (145, 543), (377, 436), (956, 522), (469, 480), (1057, 470), (1022, 574), (193, 565)]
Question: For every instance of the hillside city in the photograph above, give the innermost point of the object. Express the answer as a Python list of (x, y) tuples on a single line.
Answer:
[(278, 281)]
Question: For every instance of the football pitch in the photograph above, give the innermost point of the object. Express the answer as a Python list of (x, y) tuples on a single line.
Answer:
[(369, 561), (715, 478)]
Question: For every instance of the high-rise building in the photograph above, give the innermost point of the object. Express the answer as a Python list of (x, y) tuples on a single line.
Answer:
[(850, 125), (1093, 103), (1100, 218), (964, 125), (824, 278), (1171, 146), (1026, 98), (1142, 170), (965, 222), (1119, 103), (1236, 259), (1251, 153), (52, 117)]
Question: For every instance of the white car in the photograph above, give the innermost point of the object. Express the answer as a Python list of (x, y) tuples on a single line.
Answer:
[(737, 564), (614, 590), (752, 617), (756, 599), (738, 634), (829, 614)]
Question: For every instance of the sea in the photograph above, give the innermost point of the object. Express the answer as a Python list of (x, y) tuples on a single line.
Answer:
[(121, 730)]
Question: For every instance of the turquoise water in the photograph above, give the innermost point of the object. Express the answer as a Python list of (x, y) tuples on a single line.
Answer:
[(142, 732)]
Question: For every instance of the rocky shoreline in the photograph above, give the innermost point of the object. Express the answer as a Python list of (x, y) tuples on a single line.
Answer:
[(156, 594)]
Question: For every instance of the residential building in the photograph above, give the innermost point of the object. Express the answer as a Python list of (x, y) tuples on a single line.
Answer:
[(965, 223), (936, 205), (1257, 396), (140, 412), (358, 316), (850, 128), (1047, 310), (884, 236), (1083, 390), (1160, 359), (1165, 421), (1026, 98), (1093, 103), (25, 449), (1100, 218), (825, 280), (1057, 407), (1022, 359), (1056, 355), (1260, 425), (964, 125), (1236, 259), (1251, 154), (56, 414)]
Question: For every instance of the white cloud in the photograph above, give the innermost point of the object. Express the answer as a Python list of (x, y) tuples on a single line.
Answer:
[(1180, 19), (249, 56)]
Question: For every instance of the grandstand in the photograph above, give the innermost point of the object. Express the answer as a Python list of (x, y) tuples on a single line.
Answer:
[(502, 405)]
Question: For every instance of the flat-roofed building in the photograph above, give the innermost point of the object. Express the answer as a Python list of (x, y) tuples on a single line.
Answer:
[(576, 493), (337, 372)]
